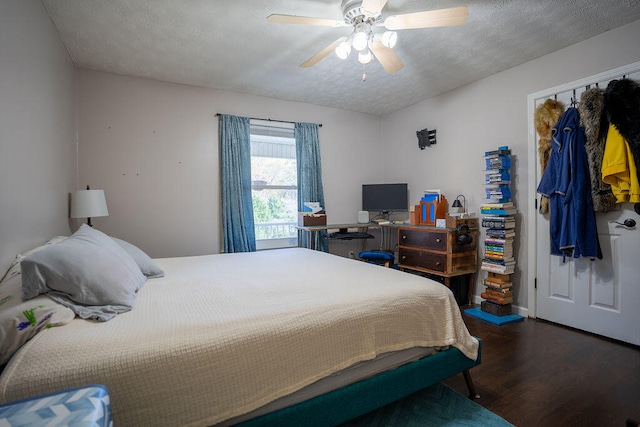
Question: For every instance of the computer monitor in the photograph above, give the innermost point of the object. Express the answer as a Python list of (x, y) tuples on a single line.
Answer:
[(385, 198)]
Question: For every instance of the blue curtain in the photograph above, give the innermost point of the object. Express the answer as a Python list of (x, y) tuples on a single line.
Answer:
[(235, 167), (309, 174)]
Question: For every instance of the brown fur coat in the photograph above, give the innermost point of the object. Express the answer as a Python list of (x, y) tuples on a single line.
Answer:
[(545, 118), (593, 120)]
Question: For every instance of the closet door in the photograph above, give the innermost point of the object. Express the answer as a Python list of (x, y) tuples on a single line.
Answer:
[(599, 296)]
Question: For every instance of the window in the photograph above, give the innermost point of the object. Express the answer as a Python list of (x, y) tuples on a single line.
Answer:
[(274, 184)]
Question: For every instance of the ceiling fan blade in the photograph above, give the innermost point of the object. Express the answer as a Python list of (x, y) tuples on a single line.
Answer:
[(305, 20), (429, 18), (322, 54), (373, 7), (386, 57)]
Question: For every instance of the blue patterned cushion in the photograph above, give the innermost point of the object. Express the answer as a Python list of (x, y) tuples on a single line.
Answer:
[(82, 406)]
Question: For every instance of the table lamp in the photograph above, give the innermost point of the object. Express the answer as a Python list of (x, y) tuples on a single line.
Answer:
[(88, 204)]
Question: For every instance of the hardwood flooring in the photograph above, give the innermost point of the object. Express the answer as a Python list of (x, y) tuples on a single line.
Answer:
[(535, 373)]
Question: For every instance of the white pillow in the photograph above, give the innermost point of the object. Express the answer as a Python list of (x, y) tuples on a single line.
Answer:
[(87, 272), (22, 320), (147, 265), (14, 268)]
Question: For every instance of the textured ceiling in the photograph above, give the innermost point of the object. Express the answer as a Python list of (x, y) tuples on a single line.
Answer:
[(229, 45)]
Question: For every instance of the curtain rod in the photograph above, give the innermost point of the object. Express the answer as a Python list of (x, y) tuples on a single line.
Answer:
[(271, 120)]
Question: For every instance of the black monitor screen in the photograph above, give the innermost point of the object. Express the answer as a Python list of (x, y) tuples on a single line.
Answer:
[(385, 197)]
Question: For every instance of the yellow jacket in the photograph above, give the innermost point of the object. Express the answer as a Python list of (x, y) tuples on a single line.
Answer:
[(619, 169)]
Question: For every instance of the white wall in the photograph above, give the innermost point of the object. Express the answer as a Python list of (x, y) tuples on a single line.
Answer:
[(487, 114), (153, 147), (37, 129)]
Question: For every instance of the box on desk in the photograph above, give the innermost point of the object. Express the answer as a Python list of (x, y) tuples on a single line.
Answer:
[(306, 219), (455, 221)]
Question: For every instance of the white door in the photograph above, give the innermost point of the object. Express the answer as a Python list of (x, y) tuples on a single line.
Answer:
[(599, 296)]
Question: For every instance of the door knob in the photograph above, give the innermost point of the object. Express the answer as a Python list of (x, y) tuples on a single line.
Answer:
[(629, 223)]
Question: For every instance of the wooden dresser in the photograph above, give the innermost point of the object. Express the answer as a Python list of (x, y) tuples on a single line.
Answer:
[(438, 251)]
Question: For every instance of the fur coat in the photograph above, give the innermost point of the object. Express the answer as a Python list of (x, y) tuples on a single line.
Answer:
[(622, 105), (545, 118), (594, 121)]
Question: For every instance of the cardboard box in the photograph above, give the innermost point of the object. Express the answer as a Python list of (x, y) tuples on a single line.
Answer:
[(307, 219), (454, 221)]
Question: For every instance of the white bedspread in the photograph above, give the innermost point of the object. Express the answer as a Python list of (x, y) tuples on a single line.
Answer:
[(221, 335)]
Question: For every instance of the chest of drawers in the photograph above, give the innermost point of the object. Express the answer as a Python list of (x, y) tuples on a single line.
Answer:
[(438, 251)]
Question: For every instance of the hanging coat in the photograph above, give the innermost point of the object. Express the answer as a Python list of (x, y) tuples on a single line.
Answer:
[(566, 182), (619, 168)]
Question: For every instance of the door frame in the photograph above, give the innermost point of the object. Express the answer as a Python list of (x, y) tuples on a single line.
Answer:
[(533, 164)]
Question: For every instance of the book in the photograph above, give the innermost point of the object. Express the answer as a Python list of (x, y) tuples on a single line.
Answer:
[(496, 299), (501, 234), (502, 150), (506, 241), (499, 294), (498, 224), (498, 285), (499, 290), (498, 269), (498, 211), (505, 205), (498, 277)]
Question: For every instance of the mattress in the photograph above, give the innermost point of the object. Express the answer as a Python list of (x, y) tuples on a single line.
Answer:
[(223, 335)]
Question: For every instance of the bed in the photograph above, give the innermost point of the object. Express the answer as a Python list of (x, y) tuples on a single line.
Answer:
[(281, 337)]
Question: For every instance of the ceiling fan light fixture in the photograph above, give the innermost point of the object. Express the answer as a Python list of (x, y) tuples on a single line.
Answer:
[(360, 39), (343, 50), (389, 38), (365, 56)]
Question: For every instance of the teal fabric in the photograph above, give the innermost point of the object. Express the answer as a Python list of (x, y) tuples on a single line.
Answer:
[(309, 175), (235, 166), (437, 405), (347, 403)]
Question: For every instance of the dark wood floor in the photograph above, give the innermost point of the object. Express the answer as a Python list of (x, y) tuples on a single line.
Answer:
[(535, 373)]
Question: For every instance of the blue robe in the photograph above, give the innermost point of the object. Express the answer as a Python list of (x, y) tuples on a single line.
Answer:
[(566, 182)]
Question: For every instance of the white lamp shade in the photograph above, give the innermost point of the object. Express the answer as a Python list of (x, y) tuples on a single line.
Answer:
[(360, 41), (389, 38), (343, 50), (365, 56), (88, 204)]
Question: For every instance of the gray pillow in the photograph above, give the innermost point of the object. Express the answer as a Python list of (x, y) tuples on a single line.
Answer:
[(88, 272), (148, 266)]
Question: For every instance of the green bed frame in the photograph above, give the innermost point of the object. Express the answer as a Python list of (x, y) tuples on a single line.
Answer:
[(357, 399)]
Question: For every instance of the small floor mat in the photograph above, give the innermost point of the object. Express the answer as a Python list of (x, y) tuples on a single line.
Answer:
[(492, 318)]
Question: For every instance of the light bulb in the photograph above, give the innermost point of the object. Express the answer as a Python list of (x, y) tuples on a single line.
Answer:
[(360, 41), (389, 38), (365, 57), (343, 50)]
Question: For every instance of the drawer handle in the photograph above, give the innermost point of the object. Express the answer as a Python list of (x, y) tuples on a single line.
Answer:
[(438, 263), (404, 237), (438, 240), (404, 257)]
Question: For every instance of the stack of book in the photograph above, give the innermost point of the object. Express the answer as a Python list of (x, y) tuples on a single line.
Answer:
[(498, 294), (498, 217)]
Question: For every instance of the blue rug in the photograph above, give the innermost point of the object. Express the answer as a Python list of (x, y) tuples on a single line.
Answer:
[(438, 406), (492, 318)]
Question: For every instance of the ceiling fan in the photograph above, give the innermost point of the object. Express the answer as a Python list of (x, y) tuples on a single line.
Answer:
[(365, 15)]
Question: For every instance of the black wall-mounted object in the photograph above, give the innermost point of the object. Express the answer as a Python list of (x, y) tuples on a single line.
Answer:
[(426, 138)]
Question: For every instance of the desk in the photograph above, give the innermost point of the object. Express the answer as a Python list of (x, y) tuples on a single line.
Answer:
[(312, 231)]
